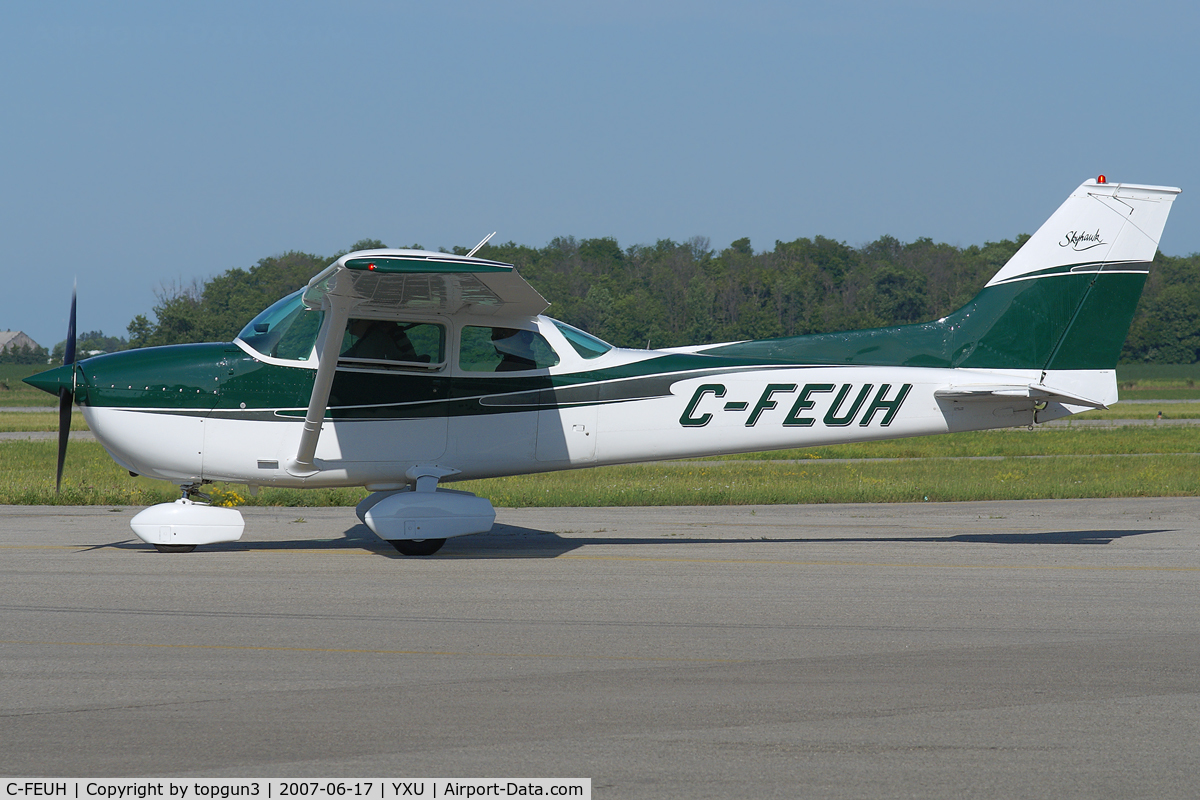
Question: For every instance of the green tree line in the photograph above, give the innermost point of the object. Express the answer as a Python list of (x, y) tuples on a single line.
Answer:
[(673, 293), (23, 355)]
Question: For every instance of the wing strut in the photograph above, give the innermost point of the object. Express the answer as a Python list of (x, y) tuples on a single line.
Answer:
[(302, 465)]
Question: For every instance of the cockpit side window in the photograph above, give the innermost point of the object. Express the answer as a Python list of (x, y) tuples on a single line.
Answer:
[(504, 350), (287, 329), (394, 342)]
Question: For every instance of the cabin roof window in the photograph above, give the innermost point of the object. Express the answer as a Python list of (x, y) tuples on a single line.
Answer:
[(585, 344), (286, 329)]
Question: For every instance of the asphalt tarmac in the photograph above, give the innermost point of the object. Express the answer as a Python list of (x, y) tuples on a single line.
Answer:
[(1000, 649)]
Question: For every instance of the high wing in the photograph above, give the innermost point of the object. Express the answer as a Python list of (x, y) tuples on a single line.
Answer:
[(391, 280), (373, 281)]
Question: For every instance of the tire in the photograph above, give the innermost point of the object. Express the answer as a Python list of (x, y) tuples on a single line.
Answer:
[(417, 547), (174, 548)]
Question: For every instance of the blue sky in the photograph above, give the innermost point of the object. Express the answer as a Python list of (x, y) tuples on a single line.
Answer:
[(147, 144)]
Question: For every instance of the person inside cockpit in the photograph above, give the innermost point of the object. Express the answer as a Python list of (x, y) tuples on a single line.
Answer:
[(378, 339), (515, 348)]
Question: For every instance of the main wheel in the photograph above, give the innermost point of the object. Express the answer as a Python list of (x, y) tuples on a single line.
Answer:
[(174, 548), (417, 547)]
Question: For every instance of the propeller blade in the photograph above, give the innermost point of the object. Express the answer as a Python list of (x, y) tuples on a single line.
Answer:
[(69, 351), (66, 398)]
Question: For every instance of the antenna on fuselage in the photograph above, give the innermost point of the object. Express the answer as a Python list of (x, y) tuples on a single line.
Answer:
[(475, 249)]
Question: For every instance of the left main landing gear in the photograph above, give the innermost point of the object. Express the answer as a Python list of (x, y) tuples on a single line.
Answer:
[(417, 547), (418, 518)]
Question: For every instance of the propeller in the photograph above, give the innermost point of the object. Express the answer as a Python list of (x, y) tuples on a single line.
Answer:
[(66, 398)]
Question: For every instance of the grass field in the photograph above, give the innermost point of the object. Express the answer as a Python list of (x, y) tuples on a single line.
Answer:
[(47, 420), (13, 392), (1184, 410), (1169, 392), (879, 481), (1007, 443), (1159, 374)]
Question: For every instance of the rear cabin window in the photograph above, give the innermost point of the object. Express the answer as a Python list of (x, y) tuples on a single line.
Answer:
[(585, 344), (504, 350), (385, 342)]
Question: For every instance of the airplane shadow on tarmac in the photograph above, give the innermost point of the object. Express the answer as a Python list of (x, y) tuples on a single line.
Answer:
[(512, 541), (517, 542)]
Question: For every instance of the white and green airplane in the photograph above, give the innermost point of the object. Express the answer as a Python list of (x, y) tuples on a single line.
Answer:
[(404, 370)]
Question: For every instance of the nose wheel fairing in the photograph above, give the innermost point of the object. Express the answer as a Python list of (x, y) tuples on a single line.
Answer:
[(185, 523)]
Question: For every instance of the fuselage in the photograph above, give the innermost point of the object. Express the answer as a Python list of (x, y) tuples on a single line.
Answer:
[(228, 412)]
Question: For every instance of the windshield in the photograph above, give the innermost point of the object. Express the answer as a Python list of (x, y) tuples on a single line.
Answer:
[(585, 344), (287, 329)]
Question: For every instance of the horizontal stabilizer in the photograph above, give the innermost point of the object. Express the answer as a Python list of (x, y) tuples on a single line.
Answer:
[(1035, 392)]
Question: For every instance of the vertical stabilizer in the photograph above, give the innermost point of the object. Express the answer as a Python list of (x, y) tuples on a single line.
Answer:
[(1100, 226)]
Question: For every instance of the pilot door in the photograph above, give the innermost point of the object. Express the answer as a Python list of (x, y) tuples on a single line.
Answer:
[(390, 393)]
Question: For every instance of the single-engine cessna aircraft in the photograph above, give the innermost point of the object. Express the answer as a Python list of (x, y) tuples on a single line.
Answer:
[(402, 370)]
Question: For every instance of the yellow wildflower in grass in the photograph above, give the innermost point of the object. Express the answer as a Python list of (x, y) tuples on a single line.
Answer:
[(226, 498)]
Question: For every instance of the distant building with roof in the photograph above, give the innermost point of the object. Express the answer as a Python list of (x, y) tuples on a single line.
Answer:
[(15, 340)]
